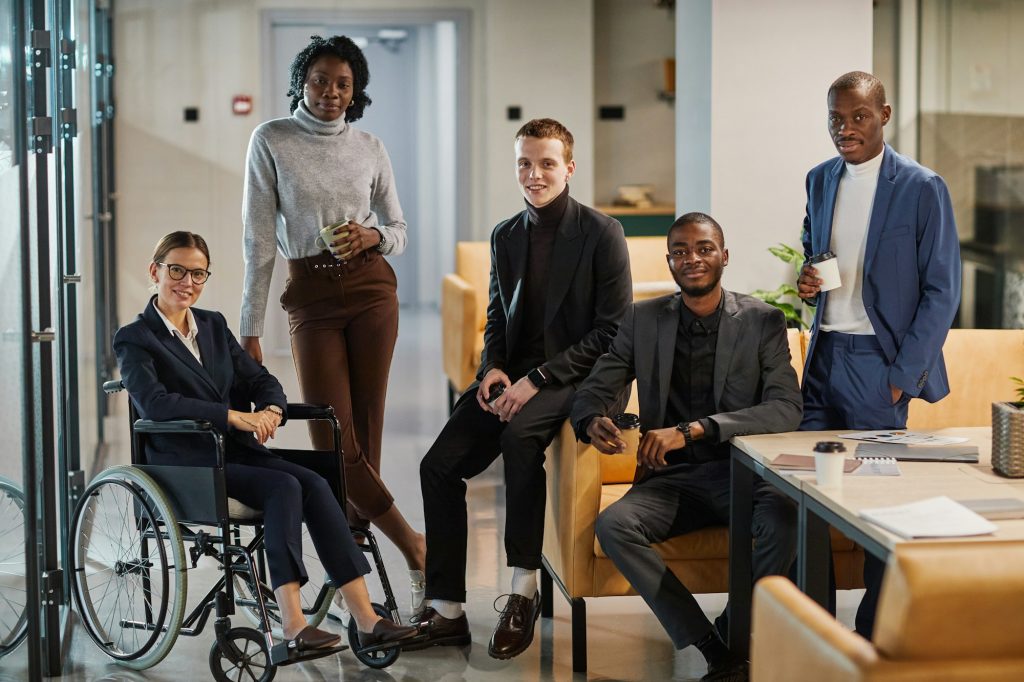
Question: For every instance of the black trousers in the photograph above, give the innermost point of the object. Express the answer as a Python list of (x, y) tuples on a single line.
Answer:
[(288, 493), (671, 504), (466, 446)]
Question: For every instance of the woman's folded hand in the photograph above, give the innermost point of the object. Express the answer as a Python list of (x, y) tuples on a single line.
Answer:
[(263, 423)]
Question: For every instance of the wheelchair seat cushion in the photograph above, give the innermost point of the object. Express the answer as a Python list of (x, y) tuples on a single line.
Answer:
[(240, 512)]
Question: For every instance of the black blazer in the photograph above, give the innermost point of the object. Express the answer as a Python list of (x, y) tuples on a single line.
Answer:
[(588, 292), (165, 381), (755, 386)]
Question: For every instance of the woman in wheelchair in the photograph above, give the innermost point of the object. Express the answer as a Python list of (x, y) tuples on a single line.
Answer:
[(180, 362)]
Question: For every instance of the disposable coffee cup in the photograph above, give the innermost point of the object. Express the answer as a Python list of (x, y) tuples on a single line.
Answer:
[(326, 237), (827, 266), (629, 431), (829, 457)]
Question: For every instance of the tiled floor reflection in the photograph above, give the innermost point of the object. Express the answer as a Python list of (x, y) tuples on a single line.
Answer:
[(625, 641)]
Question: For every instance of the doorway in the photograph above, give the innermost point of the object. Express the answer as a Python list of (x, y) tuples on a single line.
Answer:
[(418, 86)]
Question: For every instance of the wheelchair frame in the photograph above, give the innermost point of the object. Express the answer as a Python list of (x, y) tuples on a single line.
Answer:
[(183, 493)]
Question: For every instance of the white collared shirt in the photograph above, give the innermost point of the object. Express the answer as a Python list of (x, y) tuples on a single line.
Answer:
[(188, 340)]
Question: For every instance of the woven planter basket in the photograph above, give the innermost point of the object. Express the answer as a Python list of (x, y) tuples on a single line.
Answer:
[(1008, 439)]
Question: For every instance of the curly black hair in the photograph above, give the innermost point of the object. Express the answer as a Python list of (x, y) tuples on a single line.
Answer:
[(347, 51)]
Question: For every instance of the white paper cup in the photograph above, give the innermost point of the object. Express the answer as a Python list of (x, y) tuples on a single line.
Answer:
[(828, 468), (828, 273)]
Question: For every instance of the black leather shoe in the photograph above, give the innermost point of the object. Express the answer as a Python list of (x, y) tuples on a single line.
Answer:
[(441, 631), (514, 631), (386, 632), (312, 638), (732, 671)]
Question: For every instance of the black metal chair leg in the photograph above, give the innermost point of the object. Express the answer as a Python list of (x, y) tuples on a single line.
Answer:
[(579, 635), (547, 588)]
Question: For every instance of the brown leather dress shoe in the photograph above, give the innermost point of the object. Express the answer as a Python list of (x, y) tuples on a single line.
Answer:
[(312, 638), (386, 632), (514, 631), (441, 631)]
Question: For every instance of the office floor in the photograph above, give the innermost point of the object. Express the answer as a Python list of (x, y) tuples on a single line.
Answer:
[(625, 641)]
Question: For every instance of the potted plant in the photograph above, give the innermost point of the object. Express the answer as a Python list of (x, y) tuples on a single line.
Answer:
[(786, 297), (1008, 434)]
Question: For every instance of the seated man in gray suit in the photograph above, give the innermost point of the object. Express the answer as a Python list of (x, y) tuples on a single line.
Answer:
[(710, 364)]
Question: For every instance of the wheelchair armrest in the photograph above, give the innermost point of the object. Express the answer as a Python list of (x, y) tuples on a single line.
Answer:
[(309, 411), (113, 386), (173, 426)]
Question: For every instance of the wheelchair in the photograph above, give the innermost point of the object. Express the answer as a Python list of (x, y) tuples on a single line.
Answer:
[(13, 594), (129, 569)]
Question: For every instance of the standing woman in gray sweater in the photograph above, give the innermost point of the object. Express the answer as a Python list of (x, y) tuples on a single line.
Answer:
[(303, 173)]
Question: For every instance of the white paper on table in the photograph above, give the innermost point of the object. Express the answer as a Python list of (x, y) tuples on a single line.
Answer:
[(936, 517), (905, 437)]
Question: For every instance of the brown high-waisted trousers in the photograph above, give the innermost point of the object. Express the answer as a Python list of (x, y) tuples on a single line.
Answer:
[(343, 319)]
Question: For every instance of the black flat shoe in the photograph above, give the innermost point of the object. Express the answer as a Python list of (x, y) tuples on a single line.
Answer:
[(311, 638), (732, 671), (386, 632)]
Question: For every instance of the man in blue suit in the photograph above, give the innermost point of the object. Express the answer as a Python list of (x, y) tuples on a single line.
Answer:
[(876, 341)]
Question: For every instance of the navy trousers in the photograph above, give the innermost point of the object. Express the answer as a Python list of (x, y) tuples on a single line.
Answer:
[(288, 494), (846, 386)]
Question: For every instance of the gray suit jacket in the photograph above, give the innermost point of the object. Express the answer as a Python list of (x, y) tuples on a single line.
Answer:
[(755, 385)]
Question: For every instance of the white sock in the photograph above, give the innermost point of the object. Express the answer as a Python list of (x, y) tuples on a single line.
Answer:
[(524, 581), (448, 609)]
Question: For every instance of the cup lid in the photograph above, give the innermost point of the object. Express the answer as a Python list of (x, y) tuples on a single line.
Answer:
[(820, 257), (829, 446), (626, 420)]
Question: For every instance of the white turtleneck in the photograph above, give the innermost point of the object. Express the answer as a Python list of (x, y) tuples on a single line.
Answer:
[(302, 174), (844, 307)]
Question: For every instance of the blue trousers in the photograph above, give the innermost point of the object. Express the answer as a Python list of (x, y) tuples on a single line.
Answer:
[(846, 386)]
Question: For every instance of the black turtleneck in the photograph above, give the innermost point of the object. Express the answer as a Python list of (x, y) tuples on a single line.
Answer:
[(542, 225)]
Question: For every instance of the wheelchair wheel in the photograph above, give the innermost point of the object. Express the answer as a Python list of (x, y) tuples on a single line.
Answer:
[(13, 616), (128, 567), (249, 662), (314, 606), (381, 658)]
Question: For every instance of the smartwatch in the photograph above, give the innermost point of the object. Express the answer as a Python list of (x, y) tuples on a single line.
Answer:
[(537, 378)]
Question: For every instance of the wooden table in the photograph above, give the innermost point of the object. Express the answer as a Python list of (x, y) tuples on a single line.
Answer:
[(819, 508)]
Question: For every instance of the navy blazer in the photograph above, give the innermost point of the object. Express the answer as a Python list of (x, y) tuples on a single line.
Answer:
[(755, 386), (911, 266), (588, 292), (165, 381)]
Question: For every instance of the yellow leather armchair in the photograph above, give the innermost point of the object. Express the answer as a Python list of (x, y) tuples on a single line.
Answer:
[(464, 301), (948, 611)]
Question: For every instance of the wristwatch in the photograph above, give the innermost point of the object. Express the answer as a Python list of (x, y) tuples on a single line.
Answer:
[(537, 378), (383, 244), (687, 436), (275, 409)]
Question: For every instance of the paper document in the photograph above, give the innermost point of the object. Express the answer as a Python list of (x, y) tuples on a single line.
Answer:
[(936, 517), (906, 437), (998, 508)]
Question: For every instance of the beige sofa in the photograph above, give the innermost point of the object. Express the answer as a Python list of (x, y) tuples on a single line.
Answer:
[(948, 611)]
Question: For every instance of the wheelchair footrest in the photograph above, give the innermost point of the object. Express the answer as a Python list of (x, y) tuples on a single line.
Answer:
[(282, 654), (391, 645)]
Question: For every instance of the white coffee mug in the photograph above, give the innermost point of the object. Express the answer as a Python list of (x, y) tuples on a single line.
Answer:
[(326, 237)]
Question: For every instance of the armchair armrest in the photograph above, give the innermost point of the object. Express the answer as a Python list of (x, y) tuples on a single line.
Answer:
[(459, 331), (574, 498), (795, 639)]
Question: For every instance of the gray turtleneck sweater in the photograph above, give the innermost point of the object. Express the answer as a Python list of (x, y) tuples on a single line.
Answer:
[(302, 174)]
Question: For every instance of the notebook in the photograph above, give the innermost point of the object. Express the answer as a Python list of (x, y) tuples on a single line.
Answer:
[(920, 453), (996, 509), (786, 462), (877, 466)]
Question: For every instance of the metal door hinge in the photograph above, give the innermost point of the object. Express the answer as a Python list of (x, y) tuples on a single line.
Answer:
[(53, 587), (67, 54), (68, 123), (45, 336), (41, 134), (40, 56)]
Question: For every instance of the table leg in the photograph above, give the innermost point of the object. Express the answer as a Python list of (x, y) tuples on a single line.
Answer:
[(741, 514), (813, 556)]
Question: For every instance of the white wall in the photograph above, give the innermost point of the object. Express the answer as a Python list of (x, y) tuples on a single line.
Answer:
[(771, 65), (174, 175), (631, 42)]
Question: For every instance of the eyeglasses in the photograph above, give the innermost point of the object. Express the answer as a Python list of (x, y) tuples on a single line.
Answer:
[(199, 276)]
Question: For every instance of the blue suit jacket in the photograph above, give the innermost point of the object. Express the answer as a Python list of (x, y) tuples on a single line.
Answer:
[(911, 266), (165, 381)]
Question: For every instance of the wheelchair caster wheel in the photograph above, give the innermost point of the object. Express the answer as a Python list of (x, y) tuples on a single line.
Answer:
[(379, 658), (248, 662)]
